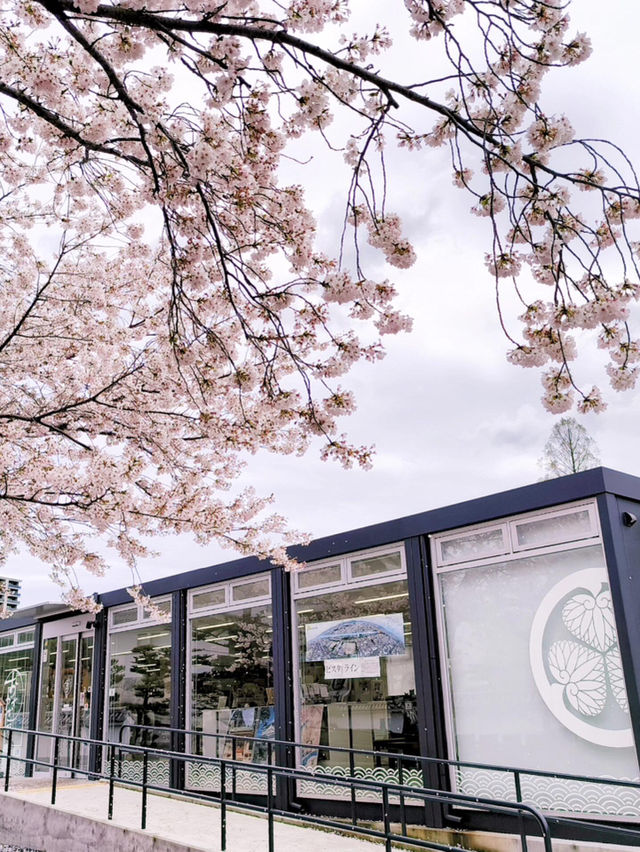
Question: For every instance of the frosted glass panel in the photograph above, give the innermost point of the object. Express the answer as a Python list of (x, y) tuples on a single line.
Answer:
[(214, 597), (534, 669), (464, 548), (247, 591), (310, 577), (376, 565), (554, 530), (163, 606), (125, 616)]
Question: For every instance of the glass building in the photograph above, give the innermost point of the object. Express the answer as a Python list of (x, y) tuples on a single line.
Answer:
[(499, 631)]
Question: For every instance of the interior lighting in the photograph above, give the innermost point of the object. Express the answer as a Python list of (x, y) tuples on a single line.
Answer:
[(383, 598)]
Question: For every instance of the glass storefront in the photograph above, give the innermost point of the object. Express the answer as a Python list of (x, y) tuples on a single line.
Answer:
[(355, 671), (16, 671), (530, 666), (231, 682), (530, 658), (139, 691)]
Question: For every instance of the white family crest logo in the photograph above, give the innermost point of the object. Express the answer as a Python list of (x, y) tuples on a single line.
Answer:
[(575, 660)]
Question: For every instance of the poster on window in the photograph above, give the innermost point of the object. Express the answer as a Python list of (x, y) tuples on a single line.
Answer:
[(265, 731), (310, 731), (366, 636), (241, 731)]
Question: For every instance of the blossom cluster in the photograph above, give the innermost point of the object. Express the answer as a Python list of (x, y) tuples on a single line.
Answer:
[(167, 312)]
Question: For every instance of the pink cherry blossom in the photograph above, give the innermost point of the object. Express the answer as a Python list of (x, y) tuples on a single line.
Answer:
[(167, 310)]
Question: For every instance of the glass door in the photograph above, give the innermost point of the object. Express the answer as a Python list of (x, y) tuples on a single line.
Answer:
[(65, 695)]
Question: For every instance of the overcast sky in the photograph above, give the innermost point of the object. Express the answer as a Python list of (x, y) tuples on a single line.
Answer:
[(450, 418)]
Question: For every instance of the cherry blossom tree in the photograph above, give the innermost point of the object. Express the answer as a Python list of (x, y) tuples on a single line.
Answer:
[(166, 310)]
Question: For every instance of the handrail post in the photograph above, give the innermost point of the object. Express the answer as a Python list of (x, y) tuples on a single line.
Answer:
[(223, 806), (518, 785), (233, 768), (54, 777), (270, 805), (112, 766), (385, 819), (145, 767), (352, 770), (403, 811), (7, 765)]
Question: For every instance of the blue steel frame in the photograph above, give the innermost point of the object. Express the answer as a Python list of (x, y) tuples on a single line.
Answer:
[(616, 493)]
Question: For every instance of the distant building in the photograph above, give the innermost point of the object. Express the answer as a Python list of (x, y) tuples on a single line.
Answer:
[(9, 593)]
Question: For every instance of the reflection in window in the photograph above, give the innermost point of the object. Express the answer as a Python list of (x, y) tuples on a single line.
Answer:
[(140, 683), (357, 685), (232, 683), (16, 668), (15, 687)]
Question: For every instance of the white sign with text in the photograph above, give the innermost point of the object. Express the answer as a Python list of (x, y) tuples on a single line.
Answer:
[(352, 667)]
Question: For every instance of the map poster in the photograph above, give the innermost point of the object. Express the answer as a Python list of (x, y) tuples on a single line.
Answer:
[(366, 636)]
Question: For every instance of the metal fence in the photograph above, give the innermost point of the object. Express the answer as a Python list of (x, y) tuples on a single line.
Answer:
[(554, 793), (531, 821), (597, 809)]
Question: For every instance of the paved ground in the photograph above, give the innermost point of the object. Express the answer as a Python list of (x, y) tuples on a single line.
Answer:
[(195, 825)]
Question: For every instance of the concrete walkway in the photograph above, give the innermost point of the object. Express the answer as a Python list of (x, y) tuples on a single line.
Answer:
[(185, 825), (78, 823)]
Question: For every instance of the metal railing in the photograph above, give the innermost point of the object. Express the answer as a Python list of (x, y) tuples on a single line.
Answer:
[(597, 825), (284, 752), (533, 823)]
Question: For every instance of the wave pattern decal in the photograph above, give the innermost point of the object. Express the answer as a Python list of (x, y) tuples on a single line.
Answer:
[(553, 794)]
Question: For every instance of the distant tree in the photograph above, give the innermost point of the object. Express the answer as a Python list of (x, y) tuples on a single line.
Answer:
[(569, 449)]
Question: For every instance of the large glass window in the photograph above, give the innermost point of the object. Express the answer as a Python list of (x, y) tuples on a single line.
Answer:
[(139, 694), (356, 683), (531, 665), (140, 682), (16, 670), (231, 696)]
